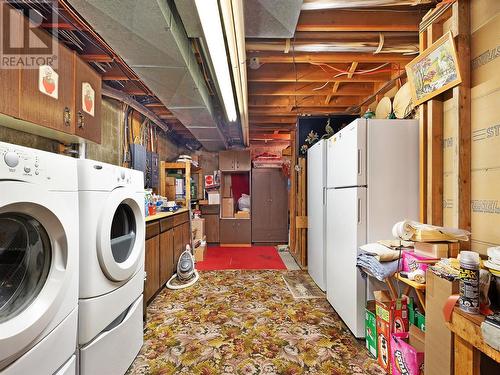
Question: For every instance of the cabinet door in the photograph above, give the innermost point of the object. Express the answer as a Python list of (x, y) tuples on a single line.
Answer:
[(212, 228), (242, 160), (88, 101), (226, 161), (235, 231), (9, 92), (152, 267), (178, 241), (166, 256), (186, 235), (244, 230), (42, 109)]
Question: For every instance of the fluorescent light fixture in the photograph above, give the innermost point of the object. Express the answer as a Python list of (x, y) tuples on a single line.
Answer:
[(208, 12)]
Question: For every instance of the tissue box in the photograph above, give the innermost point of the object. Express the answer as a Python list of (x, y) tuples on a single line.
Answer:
[(411, 261), (405, 359)]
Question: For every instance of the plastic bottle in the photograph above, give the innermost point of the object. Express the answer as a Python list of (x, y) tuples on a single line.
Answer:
[(469, 282)]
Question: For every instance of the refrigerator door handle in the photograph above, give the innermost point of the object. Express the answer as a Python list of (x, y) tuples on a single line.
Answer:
[(359, 161), (324, 196), (359, 210)]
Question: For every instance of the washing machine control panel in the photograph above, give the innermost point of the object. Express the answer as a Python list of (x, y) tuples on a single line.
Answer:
[(19, 162)]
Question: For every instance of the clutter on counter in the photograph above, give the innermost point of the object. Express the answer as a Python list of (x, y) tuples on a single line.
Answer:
[(412, 230)]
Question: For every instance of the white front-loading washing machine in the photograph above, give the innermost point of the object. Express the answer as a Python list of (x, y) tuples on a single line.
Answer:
[(38, 261), (112, 240)]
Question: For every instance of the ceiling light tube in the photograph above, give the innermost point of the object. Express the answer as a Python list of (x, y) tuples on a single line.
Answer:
[(208, 12)]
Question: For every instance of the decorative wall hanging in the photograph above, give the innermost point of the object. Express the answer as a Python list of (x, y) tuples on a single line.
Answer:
[(48, 81), (435, 70), (88, 98)]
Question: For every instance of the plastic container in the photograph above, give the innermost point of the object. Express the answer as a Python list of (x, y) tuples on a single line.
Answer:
[(469, 282)]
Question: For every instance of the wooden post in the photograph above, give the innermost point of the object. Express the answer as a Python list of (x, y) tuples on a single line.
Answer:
[(434, 145), (461, 12), (293, 192), (423, 144)]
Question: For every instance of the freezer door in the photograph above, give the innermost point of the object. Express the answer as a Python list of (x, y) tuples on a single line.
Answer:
[(316, 213), (392, 179), (347, 156), (346, 231)]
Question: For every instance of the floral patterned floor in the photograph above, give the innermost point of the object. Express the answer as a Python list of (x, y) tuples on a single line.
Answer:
[(246, 322)]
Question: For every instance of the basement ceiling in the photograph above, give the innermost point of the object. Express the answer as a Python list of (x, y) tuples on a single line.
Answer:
[(336, 61)]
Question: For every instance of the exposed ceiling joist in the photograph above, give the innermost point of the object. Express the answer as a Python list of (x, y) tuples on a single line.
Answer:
[(97, 58), (359, 20), (328, 58), (306, 101), (308, 73), (303, 89)]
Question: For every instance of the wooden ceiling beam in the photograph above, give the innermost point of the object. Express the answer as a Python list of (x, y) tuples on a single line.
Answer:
[(270, 120), (305, 89), (308, 73), (117, 77), (97, 58), (359, 20), (306, 101), (329, 58), (258, 136)]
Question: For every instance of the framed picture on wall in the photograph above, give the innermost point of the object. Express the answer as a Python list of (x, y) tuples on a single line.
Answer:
[(434, 71)]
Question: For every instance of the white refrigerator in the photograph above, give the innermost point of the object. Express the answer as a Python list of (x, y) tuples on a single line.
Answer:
[(316, 213), (372, 182)]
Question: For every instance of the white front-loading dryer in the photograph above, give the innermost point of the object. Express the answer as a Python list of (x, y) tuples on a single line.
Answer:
[(38, 260), (112, 230)]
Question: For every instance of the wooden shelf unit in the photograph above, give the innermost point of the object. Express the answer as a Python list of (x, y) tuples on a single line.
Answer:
[(188, 170)]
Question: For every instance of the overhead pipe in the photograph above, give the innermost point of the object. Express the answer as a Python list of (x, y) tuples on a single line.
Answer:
[(336, 4), (379, 46)]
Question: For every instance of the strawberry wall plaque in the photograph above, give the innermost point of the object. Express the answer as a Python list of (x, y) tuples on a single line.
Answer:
[(88, 98), (48, 81)]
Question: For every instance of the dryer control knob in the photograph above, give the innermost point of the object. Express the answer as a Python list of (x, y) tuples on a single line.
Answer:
[(122, 174), (11, 159)]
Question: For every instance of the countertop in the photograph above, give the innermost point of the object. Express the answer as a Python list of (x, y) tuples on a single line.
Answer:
[(161, 215)]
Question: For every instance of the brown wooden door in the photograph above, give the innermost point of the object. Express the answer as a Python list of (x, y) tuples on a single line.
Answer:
[(178, 241), (87, 104), (242, 160), (152, 267), (269, 206), (212, 228), (226, 161), (166, 256), (42, 109)]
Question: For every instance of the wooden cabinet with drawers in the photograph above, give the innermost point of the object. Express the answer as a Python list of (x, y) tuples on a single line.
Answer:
[(211, 215), (166, 239), (234, 161)]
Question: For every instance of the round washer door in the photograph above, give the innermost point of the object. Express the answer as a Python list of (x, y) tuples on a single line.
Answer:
[(33, 265), (120, 235)]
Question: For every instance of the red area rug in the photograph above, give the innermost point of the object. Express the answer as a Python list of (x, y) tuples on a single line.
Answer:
[(241, 258)]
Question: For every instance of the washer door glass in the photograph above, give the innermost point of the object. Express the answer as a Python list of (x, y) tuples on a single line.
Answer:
[(123, 233), (25, 258)]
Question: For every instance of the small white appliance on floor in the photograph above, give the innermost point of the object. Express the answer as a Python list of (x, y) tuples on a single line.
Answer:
[(112, 233), (372, 182), (38, 262)]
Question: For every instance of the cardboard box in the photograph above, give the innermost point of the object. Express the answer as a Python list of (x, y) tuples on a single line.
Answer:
[(405, 359), (417, 338), (438, 338), (227, 207), (391, 317), (226, 186), (242, 215), (170, 188), (199, 253), (198, 228), (371, 328), (436, 249), (213, 197)]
